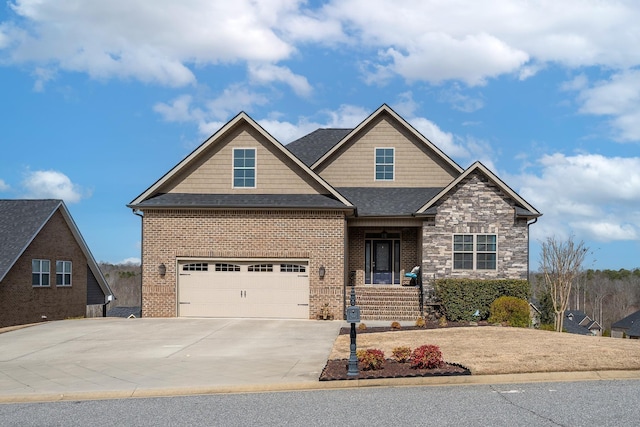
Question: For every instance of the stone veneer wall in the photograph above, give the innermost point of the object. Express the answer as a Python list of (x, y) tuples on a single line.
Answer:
[(315, 235), (476, 206)]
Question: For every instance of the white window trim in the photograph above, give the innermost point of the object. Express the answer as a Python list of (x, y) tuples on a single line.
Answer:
[(40, 273), (375, 164), (475, 251), (64, 273), (255, 167)]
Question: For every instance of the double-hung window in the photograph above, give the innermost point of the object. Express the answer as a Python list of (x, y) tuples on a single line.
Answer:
[(474, 252), (244, 168), (63, 273), (40, 271), (385, 159)]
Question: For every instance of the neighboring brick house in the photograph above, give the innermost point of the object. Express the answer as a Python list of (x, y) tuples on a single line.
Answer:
[(46, 269), (247, 227)]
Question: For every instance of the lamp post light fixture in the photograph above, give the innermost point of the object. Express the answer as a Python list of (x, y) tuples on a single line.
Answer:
[(353, 316), (162, 269)]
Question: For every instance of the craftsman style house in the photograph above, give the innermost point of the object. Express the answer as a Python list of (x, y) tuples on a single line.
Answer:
[(247, 227), (46, 269)]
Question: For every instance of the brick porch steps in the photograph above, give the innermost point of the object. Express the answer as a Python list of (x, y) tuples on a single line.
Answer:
[(380, 302)]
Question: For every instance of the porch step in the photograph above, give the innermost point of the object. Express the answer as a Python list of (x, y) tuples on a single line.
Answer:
[(387, 302)]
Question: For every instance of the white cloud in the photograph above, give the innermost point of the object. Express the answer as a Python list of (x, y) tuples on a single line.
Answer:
[(51, 185), (267, 73), (593, 196), (618, 98), (152, 42), (4, 186)]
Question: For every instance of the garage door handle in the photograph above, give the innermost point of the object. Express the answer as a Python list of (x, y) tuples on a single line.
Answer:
[(303, 275), (184, 302), (303, 305)]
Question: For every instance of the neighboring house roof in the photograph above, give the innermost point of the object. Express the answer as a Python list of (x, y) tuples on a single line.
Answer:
[(630, 324), (125, 312), (271, 201), (311, 147), (577, 322), (387, 201), (20, 223), (385, 109), (523, 209), (237, 120)]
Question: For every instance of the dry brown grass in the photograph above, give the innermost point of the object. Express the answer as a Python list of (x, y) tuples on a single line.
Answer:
[(498, 350)]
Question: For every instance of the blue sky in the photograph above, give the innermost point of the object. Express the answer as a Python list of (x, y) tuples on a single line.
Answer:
[(100, 99)]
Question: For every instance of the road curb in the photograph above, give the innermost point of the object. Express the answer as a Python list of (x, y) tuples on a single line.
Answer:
[(536, 377)]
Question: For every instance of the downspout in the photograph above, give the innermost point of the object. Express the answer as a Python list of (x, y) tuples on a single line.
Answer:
[(137, 212), (529, 224)]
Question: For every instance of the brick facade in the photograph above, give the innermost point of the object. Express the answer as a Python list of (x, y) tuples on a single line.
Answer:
[(22, 303), (168, 235), (476, 205)]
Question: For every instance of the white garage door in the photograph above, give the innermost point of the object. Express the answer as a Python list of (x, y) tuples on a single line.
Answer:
[(243, 289)]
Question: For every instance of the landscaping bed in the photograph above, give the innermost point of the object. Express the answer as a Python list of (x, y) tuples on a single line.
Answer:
[(337, 370)]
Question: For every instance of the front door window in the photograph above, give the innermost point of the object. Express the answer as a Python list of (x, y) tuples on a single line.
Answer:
[(382, 259)]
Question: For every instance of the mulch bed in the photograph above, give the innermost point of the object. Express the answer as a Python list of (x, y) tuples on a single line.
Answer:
[(337, 370)]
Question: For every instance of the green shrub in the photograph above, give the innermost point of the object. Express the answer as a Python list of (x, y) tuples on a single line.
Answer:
[(401, 354), (462, 297), (510, 310), (426, 357), (547, 327), (371, 359)]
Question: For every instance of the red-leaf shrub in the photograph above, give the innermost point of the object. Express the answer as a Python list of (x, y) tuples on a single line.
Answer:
[(371, 359), (426, 357), (401, 354)]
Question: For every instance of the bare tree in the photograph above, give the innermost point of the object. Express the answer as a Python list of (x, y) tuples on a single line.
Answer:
[(560, 263)]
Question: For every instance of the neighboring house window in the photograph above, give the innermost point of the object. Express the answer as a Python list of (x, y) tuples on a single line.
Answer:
[(474, 252), (198, 266), (63, 273), (244, 167), (40, 271), (384, 164)]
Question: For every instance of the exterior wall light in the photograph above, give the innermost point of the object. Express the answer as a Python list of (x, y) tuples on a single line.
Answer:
[(322, 271), (162, 269)]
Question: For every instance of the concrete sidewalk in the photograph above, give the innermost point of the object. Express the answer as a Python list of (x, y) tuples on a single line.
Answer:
[(121, 358)]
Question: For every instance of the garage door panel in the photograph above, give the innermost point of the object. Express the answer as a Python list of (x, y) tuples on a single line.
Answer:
[(233, 289)]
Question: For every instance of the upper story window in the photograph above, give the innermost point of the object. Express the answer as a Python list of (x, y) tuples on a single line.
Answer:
[(40, 271), (474, 251), (63, 273), (385, 158), (244, 168)]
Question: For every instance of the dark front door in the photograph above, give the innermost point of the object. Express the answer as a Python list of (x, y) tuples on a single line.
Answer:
[(382, 262)]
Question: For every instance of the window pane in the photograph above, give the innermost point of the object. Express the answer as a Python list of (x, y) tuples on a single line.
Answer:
[(486, 262), (35, 279), (45, 279), (45, 266), (59, 279), (35, 266), (463, 261)]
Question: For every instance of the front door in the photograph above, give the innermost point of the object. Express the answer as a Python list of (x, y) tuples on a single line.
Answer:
[(382, 259), (382, 267)]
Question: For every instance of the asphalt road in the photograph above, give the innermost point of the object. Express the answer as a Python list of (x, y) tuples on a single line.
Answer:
[(582, 403)]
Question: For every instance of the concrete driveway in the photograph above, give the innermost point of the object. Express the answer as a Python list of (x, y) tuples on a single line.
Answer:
[(113, 357)]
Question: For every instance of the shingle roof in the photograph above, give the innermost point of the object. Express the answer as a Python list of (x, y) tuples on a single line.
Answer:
[(628, 322), (20, 222), (185, 200), (375, 201), (311, 147), (572, 321)]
